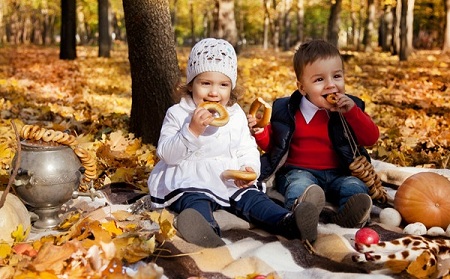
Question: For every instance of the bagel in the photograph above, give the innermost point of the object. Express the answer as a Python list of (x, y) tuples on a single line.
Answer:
[(331, 98), (48, 135), (216, 109), (255, 106), (239, 175), (25, 130), (39, 134)]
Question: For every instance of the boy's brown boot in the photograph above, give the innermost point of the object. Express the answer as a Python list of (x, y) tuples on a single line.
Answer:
[(301, 223), (355, 213), (313, 194)]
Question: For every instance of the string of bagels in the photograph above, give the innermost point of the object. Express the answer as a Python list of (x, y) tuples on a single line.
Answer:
[(35, 133), (360, 166)]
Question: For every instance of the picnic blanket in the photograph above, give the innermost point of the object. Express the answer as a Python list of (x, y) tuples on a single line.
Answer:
[(250, 252)]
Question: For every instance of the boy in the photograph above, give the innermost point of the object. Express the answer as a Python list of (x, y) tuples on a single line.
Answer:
[(310, 142)]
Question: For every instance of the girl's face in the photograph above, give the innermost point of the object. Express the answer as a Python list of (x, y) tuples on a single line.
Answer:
[(211, 87), (320, 78)]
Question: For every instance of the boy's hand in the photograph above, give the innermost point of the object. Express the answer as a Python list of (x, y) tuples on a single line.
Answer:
[(252, 120), (344, 103)]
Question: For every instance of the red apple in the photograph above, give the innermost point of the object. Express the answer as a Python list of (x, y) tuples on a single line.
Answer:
[(366, 236)]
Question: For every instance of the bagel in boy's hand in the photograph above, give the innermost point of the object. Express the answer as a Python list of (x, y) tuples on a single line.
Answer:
[(239, 175), (331, 98), (265, 119), (217, 108)]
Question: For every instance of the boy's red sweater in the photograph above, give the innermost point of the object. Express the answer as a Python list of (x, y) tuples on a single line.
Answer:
[(311, 146)]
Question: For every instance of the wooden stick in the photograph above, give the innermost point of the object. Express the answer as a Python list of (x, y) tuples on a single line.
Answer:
[(16, 167)]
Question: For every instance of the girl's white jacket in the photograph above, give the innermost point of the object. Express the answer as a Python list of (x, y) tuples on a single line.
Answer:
[(192, 164)]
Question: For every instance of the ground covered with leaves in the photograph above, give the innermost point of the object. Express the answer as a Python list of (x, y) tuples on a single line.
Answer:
[(91, 98)]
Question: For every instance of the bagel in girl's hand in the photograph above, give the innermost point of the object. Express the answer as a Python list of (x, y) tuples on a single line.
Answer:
[(239, 175), (331, 98), (265, 119), (216, 109)]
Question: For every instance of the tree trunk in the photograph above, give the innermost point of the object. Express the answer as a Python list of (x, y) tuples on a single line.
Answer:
[(2, 27), (403, 55), (300, 20), (104, 37), (224, 22), (397, 10), (369, 26), (82, 28), (68, 46), (266, 24), (174, 17), (353, 19), (446, 46), (192, 22), (46, 28), (386, 29), (153, 64), (409, 27), (286, 26), (333, 22)]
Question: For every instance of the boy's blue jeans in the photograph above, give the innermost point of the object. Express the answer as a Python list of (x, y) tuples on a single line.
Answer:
[(254, 207), (338, 188)]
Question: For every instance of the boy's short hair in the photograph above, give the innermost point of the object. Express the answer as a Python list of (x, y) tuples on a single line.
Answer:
[(313, 50)]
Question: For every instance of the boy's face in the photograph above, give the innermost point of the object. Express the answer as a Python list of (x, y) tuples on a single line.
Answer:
[(211, 87), (320, 78)]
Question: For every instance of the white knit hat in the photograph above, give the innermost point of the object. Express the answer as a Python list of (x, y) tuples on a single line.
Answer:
[(212, 55)]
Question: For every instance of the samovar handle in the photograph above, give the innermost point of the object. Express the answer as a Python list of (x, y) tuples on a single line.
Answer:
[(21, 171), (24, 181)]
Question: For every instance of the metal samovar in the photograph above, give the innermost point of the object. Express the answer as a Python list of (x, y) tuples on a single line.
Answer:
[(48, 176)]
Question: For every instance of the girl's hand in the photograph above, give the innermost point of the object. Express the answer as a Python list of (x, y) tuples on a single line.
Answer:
[(200, 120), (344, 103), (243, 183), (251, 123)]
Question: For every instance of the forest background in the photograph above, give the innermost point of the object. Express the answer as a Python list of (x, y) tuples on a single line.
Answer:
[(90, 93)]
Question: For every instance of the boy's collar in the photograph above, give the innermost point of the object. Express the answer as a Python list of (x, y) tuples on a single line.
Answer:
[(308, 109)]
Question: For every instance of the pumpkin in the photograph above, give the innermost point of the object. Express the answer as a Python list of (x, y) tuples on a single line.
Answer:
[(12, 214), (424, 197)]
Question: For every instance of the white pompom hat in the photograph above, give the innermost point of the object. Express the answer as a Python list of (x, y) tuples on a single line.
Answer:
[(212, 55)]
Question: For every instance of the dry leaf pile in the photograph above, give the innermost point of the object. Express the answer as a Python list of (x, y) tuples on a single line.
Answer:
[(89, 248)]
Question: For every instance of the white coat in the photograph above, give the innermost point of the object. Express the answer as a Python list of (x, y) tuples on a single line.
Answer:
[(188, 163)]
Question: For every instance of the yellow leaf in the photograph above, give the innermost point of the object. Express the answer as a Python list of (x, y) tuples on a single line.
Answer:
[(19, 235), (139, 249), (123, 174), (111, 227), (133, 147), (47, 275), (130, 226), (5, 151), (5, 250), (71, 219), (167, 229)]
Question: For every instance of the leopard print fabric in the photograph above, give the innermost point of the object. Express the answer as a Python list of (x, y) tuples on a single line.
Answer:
[(408, 248)]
